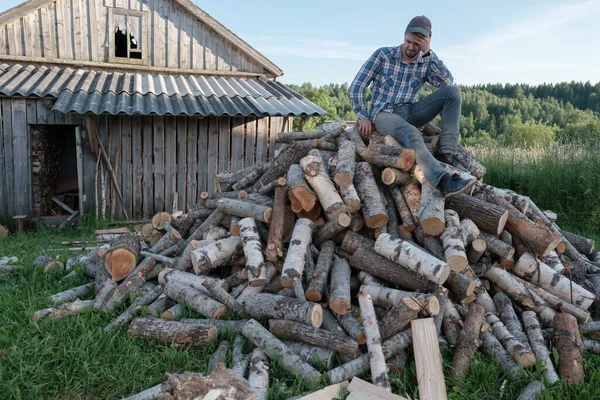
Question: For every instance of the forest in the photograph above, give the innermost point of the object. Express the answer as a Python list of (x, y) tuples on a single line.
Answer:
[(512, 114)]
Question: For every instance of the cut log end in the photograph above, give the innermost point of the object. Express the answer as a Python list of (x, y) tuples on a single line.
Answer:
[(376, 221), (457, 263), (316, 316), (340, 306), (219, 312), (313, 295), (433, 226), (433, 306), (343, 179), (122, 262), (159, 219)]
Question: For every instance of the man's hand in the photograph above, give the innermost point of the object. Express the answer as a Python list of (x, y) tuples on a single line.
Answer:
[(424, 43), (365, 128)]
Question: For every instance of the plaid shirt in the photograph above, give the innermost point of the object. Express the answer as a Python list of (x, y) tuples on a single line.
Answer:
[(394, 81)]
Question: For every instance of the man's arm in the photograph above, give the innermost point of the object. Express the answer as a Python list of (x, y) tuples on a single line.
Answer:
[(438, 74), (365, 76)]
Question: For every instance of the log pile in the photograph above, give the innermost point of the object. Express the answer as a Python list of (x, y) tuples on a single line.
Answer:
[(338, 246)]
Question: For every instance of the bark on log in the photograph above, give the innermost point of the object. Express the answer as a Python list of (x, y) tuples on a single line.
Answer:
[(243, 209), (352, 327), (387, 297), (258, 377), (559, 304), (462, 287), (412, 258), (553, 261), (376, 358), (538, 344), (469, 161), (331, 228), (63, 310), (508, 283), (271, 272), (289, 330), (216, 254), (512, 345), (431, 210), (398, 318), (123, 255), (339, 291), (274, 348), (195, 300), (226, 179), (493, 349), (218, 293), (331, 324), (488, 217), (529, 268), (497, 246), (255, 262), (299, 189), (274, 250), (469, 231), (219, 356), (134, 309), (510, 318), (160, 218), (353, 241), (293, 267), (213, 234), (171, 332), (136, 279), (73, 294), (318, 283), (373, 209), (158, 306), (351, 198), (567, 341), (468, 341), (193, 280), (329, 130), (173, 313), (232, 326), (316, 356), (213, 219), (171, 237), (582, 244), (412, 196), (531, 391), (263, 305), (394, 177), (452, 323), (371, 262), (454, 248), (239, 360), (344, 170)]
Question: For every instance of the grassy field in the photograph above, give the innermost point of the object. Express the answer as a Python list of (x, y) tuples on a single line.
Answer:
[(74, 359)]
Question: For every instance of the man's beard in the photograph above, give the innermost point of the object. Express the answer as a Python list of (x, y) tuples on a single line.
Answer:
[(410, 53)]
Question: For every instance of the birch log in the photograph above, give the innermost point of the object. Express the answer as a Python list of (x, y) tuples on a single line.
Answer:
[(339, 294), (73, 294), (566, 340), (373, 209), (195, 300), (263, 305), (318, 283), (538, 344), (512, 345), (351, 198), (468, 341), (493, 349), (299, 189), (510, 319), (331, 228), (216, 254), (395, 177), (387, 297), (171, 332), (376, 359), (63, 310), (454, 248), (274, 250), (452, 323), (431, 210), (258, 377), (255, 262), (293, 267), (245, 209), (314, 355), (408, 222)]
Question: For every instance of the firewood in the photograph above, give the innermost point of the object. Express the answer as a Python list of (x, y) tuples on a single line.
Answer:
[(158, 306), (171, 332), (351, 198), (497, 246), (258, 377), (376, 357), (274, 250), (462, 287), (371, 262), (428, 360), (134, 308), (431, 210), (73, 294), (195, 300), (122, 257), (263, 305), (352, 327), (218, 293), (63, 310), (135, 280), (339, 292), (412, 258), (270, 273), (331, 324), (318, 283), (369, 280), (510, 318), (452, 323), (253, 252), (529, 268), (274, 348), (488, 217), (509, 284), (441, 295), (290, 330), (554, 262), (331, 228), (387, 297), (214, 219), (314, 355), (329, 130), (193, 280), (353, 241), (219, 356), (394, 177), (484, 298), (412, 197), (349, 370), (493, 349), (531, 391), (167, 261), (213, 234), (468, 341), (344, 171), (468, 161), (398, 318), (538, 344), (299, 190), (454, 248), (226, 179), (248, 179), (173, 313), (216, 254), (160, 218), (516, 349), (243, 209), (170, 238), (293, 266), (566, 340), (239, 360), (373, 210), (583, 245)]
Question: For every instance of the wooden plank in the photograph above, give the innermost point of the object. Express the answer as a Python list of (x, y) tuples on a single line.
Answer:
[(8, 156), (105, 183), (67, 31), (60, 118), (3, 40), (126, 167), (89, 173), (15, 45), (148, 179), (136, 164), (103, 32), (262, 140), (79, 161), (31, 111), (202, 157), (159, 164), (237, 143), (21, 157), (185, 36), (28, 35), (3, 188), (362, 390), (114, 127), (42, 113), (224, 143), (50, 117), (275, 128), (49, 45), (223, 55), (428, 359), (78, 35), (250, 142), (210, 51), (159, 28), (170, 159), (213, 150), (173, 36), (93, 33), (329, 393), (181, 143), (192, 162), (198, 45)]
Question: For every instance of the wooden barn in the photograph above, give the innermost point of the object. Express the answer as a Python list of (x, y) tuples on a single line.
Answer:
[(171, 96)]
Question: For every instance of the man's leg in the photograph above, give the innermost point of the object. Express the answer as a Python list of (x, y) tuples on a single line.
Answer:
[(410, 136), (447, 102)]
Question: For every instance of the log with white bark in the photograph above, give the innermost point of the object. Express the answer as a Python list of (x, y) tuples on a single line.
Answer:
[(331, 228), (258, 377), (511, 321), (317, 286), (494, 349), (274, 348), (195, 299), (568, 343), (412, 196), (171, 237), (73, 294), (398, 318), (219, 356), (173, 313), (373, 209), (339, 291), (274, 250), (351, 198), (533, 270), (497, 246), (344, 170), (123, 255), (319, 180), (553, 261), (239, 360), (216, 254), (352, 327), (134, 309), (403, 161), (187, 278), (412, 258), (264, 305), (234, 225), (172, 332), (299, 188), (442, 295), (531, 391), (488, 217), (294, 264), (232, 326), (387, 297), (290, 330), (558, 303), (214, 219), (217, 292), (512, 345), (238, 278), (431, 210), (376, 358), (255, 262), (329, 130), (538, 345), (367, 279), (452, 323), (314, 355), (476, 250), (468, 160), (582, 244), (271, 272), (467, 342), (213, 234), (462, 287), (454, 248), (509, 284), (395, 177), (371, 262), (136, 279), (63, 310), (244, 209), (158, 306)]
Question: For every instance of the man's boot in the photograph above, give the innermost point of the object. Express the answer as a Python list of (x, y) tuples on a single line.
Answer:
[(452, 184)]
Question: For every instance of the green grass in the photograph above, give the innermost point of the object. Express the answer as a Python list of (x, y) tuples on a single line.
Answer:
[(74, 359)]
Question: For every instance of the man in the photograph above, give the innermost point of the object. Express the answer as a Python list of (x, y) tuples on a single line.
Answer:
[(397, 74)]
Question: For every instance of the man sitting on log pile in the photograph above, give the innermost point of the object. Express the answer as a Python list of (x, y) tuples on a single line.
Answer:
[(397, 74)]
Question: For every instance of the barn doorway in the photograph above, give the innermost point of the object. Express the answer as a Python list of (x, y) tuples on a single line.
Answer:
[(55, 177)]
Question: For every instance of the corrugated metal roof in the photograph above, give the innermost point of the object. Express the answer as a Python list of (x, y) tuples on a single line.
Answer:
[(83, 90)]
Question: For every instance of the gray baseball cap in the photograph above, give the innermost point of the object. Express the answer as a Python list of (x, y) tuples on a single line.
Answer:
[(420, 24)]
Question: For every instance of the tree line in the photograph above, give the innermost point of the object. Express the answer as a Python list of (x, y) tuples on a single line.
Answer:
[(511, 114)]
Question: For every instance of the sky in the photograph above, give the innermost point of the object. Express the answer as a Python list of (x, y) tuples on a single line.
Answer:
[(327, 41)]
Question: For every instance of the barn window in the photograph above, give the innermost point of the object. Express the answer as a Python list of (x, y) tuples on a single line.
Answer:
[(128, 39)]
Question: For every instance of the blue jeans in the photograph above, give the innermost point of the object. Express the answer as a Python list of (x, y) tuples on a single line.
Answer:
[(402, 124)]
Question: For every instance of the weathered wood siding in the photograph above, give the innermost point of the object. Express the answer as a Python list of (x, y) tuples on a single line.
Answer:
[(157, 160), (79, 30)]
